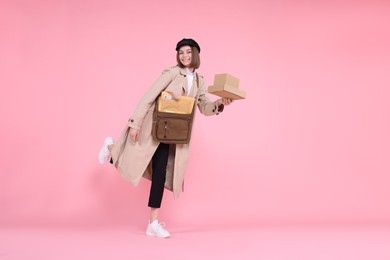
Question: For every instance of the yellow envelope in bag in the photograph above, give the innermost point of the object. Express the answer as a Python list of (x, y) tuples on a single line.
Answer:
[(170, 104)]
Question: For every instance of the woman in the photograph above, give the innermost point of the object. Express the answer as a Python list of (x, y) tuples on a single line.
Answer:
[(137, 155)]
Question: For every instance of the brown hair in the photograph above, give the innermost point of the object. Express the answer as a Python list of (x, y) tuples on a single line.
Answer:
[(195, 58)]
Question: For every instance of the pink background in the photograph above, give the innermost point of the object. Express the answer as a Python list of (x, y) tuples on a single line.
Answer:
[(310, 144)]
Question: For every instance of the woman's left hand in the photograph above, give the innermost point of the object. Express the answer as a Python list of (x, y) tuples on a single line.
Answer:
[(227, 101)]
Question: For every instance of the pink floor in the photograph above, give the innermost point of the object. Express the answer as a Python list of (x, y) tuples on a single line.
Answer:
[(197, 242)]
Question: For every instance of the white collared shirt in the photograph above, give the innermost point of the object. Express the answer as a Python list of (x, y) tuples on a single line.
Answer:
[(190, 79)]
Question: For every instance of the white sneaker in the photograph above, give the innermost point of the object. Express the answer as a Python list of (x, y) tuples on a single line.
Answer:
[(104, 153), (156, 229)]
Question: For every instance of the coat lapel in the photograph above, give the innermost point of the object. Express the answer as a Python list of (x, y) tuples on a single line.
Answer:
[(184, 80)]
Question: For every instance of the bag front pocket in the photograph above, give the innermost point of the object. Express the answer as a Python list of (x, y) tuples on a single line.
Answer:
[(173, 129)]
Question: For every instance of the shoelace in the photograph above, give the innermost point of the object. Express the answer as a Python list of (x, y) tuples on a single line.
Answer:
[(161, 224)]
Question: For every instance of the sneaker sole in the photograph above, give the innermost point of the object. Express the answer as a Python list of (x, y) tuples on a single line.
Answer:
[(153, 235)]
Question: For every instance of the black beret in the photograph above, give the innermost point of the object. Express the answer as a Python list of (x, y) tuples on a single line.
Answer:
[(189, 42)]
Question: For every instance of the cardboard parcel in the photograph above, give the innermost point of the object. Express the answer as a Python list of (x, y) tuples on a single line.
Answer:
[(225, 85)]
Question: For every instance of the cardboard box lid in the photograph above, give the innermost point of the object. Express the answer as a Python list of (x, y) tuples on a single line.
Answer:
[(226, 79)]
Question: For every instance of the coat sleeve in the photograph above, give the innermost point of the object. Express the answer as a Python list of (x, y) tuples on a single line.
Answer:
[(205, 105), (136, 120)]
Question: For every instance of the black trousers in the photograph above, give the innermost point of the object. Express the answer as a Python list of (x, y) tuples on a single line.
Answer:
[(159, 170)]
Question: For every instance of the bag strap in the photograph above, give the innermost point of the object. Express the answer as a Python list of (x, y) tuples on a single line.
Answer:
[(197, 92)]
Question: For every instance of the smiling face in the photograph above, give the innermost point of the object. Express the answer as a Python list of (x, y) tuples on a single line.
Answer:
[(188, 57), (185, 56)]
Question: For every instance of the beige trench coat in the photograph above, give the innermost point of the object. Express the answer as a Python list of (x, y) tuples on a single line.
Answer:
[(133, 161)]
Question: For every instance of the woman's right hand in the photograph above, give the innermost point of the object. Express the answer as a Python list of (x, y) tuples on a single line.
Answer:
[(134, 134)]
